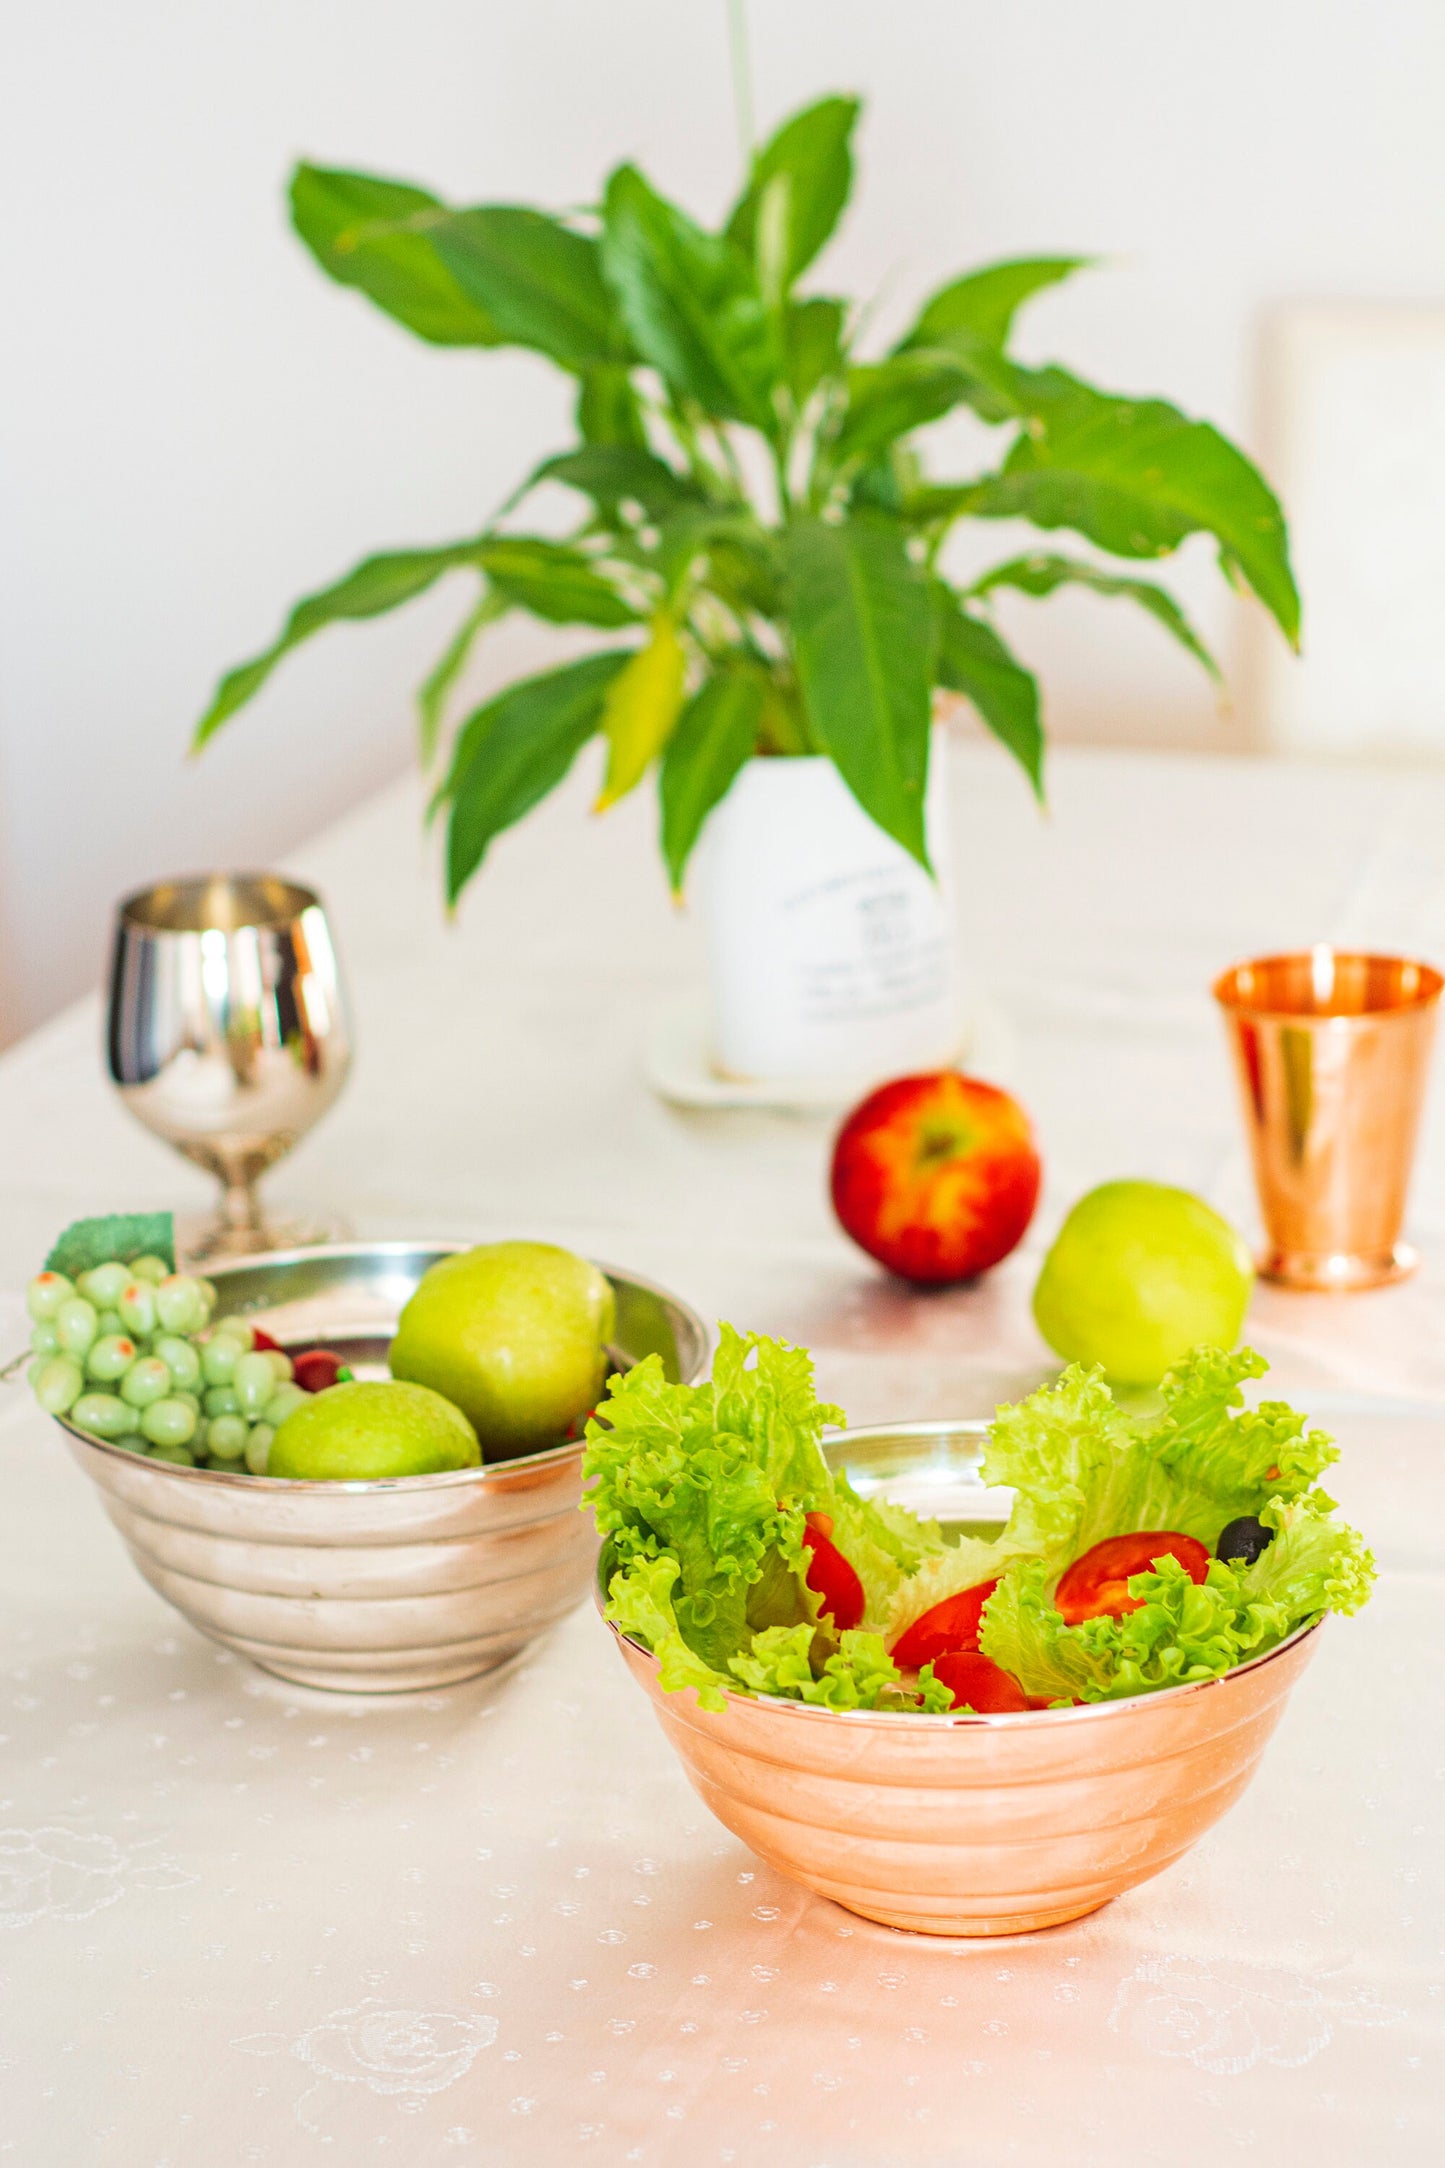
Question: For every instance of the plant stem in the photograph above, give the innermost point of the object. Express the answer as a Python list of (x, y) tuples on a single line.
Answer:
[(725, 445), (742, 75), (782, 453), (691, 446)]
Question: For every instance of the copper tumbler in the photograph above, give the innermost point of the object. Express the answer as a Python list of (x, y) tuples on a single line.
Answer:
[(1331, 1050)]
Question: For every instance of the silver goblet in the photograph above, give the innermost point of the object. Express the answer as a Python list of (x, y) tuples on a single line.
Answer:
[(227, 1033)]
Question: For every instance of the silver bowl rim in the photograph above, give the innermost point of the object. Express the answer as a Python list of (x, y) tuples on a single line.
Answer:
[(449, 1479), (998, 1720)]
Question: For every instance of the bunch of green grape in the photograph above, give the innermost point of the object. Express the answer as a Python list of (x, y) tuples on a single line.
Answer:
[(127, 1352)]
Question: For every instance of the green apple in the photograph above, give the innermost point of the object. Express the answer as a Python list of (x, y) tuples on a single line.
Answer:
[(1138, 1275), (514, 1333), (366, 1431)]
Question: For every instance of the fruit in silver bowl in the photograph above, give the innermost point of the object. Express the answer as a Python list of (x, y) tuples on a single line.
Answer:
[(514, 1334)]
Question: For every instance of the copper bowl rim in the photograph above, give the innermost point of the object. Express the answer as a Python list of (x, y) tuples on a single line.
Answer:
[(892, 1720), (1433, 984), (450, 1479)]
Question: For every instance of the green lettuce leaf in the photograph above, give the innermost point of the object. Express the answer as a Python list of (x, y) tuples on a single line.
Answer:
[(1315, 1562), (668, 1481), (1085, 1471), (1182, 1632), (762, 1396), (639, 1602), (885, 1545), (715, 1481), (858, 1674)]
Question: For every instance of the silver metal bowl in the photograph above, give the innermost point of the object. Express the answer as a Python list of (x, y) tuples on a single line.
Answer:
[(972, 1825), (372, 1587)]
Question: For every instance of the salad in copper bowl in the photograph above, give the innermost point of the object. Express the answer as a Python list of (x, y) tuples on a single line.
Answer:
[(1142, 1552), (982, 1726)]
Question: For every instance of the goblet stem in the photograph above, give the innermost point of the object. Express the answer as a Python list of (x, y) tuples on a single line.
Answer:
[(241, 1222), (238, 1228), (241, 1227)]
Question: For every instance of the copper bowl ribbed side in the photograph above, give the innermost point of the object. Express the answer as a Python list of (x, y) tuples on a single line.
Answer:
[(978, 1825), (974, 1825), (371, 1587)]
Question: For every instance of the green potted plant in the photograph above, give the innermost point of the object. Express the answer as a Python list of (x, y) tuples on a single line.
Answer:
[(762, 552)]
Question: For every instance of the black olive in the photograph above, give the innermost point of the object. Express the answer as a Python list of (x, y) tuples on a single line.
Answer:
[(1243, 1540)]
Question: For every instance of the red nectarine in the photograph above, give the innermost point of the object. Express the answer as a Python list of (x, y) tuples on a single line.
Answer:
[(936, 1176)]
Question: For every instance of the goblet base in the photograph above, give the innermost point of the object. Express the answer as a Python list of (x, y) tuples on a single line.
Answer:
[(203, 1241)]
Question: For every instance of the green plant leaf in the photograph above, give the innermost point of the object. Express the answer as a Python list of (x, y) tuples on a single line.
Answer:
[(357, 227), (1136, 476), (862, 634), (552, 581), (981, 306), (119, 1237), (1041, 575), (807, 167), (538, 281), (716, 733), (607, 473), (930, 504), (642, 704), (608, 409), (372, 587), (431, 701), (889, 482), (515, 749), (973, 660), (726, 551), (741, 554), (888, 399), (813, 340), (744, 570), (690, 301)]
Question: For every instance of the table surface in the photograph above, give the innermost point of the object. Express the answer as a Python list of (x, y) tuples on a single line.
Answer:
[(241, 1922)]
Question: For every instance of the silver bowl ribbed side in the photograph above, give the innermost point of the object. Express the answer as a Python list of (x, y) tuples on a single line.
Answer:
[(372, 1587)]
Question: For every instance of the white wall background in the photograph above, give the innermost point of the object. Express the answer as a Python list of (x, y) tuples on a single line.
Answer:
[(195, 425)]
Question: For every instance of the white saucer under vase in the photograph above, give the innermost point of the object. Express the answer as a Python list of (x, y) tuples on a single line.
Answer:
[(677, 1061)]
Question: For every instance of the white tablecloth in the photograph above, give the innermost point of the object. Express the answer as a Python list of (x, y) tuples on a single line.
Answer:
[(240, 1922)]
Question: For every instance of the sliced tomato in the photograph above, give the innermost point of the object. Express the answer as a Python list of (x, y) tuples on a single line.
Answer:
[(948, 1627), (264, 1342), (317, 1369), (830, 1575), (1097, 1585), (979, 1684)]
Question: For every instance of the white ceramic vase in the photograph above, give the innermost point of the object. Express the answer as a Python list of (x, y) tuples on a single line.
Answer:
[(831, 954)]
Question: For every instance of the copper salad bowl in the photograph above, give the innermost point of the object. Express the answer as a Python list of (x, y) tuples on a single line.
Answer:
[(972, 1825)]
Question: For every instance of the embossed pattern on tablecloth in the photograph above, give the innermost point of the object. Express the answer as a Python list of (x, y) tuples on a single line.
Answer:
[(244, 1923)]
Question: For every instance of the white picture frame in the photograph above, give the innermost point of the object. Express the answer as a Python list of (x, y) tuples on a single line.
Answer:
[(1354, 443)]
